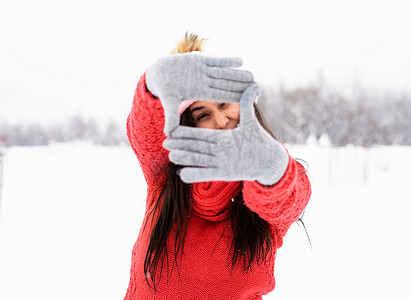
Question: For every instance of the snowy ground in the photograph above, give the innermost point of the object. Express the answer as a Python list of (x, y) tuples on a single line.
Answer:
[(70, 214)]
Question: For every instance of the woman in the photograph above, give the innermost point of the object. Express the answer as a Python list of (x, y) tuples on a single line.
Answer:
[(221, 191)]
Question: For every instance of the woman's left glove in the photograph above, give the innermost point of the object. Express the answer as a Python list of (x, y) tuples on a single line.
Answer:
[(247, 152), (194, 76)]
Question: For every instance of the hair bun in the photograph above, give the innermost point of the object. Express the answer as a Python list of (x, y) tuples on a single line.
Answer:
[(190, 43)]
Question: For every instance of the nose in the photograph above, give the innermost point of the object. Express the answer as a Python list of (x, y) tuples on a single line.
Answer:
[(221, 120)]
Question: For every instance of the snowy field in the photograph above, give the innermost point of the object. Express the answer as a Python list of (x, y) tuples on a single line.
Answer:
[(70, 214)]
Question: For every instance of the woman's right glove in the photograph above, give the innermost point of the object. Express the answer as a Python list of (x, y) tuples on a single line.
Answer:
[(247, 152), (193, 76)]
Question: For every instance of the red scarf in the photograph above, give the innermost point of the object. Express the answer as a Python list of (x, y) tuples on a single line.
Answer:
[(212, 199)]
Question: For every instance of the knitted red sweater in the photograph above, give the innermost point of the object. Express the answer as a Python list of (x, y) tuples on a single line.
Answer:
[(203, 271)]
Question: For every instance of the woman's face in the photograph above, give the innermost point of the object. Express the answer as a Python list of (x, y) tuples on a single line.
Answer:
[(215, 115)]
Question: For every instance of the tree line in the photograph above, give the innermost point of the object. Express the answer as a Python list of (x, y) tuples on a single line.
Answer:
[(73, 129), (294, 115), (361, 119)]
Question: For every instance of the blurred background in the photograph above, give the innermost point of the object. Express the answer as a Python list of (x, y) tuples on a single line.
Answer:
[(336, 90)]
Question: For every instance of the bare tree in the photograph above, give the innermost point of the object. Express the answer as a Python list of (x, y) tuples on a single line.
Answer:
[(2, 154), (364, 119)]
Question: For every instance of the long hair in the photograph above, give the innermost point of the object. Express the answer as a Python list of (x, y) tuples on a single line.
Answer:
[(251, 243)]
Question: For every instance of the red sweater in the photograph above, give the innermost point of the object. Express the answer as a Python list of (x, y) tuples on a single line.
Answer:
[(203, 271)]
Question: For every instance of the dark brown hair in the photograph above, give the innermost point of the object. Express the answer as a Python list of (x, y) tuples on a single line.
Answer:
[(251, 242)]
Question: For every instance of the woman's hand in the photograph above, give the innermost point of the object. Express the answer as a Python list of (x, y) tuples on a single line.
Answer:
[(247, 152), (193, 76)]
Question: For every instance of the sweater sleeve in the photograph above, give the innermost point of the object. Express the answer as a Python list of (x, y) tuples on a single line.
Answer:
[(282, 203), (145, 125)]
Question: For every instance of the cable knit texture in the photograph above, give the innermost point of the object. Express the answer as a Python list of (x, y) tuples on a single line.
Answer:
[(211, 200), (203, 267)]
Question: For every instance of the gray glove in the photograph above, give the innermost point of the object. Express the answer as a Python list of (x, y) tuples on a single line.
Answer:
[(193, 76), (247, 152)]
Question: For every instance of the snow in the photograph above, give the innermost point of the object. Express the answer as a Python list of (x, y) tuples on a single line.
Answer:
[(70, 214)]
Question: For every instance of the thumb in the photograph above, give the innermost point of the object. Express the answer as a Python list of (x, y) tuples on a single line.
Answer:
[(172, 118), (247, 100)]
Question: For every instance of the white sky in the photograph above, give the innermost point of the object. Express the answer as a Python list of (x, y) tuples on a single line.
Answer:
[(77, 56)]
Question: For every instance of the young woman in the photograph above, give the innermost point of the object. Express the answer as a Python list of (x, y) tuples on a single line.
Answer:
[(221, 191)]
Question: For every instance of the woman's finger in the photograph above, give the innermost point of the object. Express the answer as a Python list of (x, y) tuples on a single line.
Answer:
[(190, 158), (199, 146), (228, 85), (191, 175), (247, 113), (230, 74), (233, 62), (194, 133)]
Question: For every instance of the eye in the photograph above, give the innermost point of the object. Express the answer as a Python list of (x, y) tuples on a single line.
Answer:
[(201, 116), (222, 105)]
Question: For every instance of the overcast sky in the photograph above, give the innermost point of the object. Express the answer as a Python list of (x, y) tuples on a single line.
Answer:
[(64, 57)]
